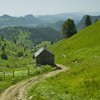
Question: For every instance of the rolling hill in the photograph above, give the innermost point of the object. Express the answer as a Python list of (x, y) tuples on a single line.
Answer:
[(57, 25), (30, 36), (82, 53)]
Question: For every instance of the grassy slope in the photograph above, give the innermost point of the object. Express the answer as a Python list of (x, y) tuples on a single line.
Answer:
[(11, 51), (82, 53), (14, 63)]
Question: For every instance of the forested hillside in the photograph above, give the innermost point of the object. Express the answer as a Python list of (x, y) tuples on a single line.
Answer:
[(30, 36)]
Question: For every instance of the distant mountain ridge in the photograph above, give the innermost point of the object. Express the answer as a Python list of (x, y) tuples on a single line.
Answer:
[(59, 17), (81, 24), (54, 21), (27, 21), (34, 21)]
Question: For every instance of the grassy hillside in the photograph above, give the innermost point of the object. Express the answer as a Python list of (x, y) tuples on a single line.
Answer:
[(11, 50), (82, 45), (14, 62), (82, 53)]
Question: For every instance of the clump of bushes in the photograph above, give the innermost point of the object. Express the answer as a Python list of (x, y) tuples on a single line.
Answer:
[(20, 54), (4, 56), (3, 48), (1, 78), (33, 57)]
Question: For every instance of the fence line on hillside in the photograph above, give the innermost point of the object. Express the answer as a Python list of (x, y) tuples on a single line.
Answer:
[(12, 74)]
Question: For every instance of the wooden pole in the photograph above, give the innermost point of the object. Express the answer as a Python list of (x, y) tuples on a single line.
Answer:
[(4, 75), (13, 73), (28, 71)]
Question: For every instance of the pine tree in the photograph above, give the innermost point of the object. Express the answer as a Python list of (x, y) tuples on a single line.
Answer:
[(88, 21), (2, 38), (68, 28)]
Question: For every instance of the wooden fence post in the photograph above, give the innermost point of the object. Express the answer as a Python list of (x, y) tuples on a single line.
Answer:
[(13, 73), (28, 71), (37, 70), (4, 75)]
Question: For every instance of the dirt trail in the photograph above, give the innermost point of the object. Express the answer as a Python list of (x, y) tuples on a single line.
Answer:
[(19, 90)]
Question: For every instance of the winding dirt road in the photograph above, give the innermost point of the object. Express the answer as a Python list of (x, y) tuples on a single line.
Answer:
[(19, 90)]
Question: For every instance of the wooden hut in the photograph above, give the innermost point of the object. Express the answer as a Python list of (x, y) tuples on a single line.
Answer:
[(44, 56)]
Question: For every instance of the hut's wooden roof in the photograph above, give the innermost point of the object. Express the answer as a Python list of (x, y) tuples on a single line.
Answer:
[(41, 50)]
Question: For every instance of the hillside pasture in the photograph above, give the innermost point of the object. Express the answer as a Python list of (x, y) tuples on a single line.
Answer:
[(82, 53)]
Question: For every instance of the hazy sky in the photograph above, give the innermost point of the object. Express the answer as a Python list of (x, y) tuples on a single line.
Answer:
[(39, 7)]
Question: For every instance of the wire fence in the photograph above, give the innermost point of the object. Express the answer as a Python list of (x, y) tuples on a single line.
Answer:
[(22, 73)]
